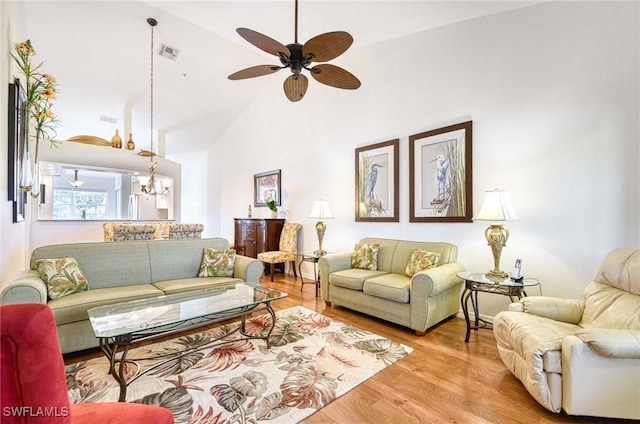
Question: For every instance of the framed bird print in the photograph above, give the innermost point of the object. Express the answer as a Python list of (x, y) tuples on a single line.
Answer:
[(440, 175), (377, 182)]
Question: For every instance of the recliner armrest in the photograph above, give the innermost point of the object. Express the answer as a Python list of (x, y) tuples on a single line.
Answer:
[(612, 342), (565, 310)]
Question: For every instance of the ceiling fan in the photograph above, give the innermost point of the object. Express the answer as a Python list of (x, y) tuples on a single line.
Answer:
[(296, 56)]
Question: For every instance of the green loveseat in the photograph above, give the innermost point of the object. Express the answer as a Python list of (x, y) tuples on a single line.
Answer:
[(417, 302), (118, 272)]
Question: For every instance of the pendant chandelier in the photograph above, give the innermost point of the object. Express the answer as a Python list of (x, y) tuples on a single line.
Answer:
[(76, 182), (149, 184)]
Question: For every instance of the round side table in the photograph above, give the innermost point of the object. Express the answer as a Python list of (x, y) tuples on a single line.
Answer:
[(476, 282)]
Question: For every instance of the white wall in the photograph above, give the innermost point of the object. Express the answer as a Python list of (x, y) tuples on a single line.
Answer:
[(13, 236), (553, 94)]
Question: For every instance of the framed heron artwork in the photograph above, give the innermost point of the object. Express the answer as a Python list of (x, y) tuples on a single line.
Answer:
[(377, 182), (440, 175)]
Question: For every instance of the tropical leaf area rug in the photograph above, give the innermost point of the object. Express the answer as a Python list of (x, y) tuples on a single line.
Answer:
[(312, 361)]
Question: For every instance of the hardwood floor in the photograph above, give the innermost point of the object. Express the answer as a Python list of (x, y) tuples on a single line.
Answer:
[(444, 379)]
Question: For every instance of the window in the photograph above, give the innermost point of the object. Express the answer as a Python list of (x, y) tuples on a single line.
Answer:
[(79, 204)]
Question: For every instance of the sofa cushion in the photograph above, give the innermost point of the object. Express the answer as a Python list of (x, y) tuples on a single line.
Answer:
[(191, 284), (74, 307), (386, 251), (421, 260), (390, 286), (107, 265), (352, 278), (62, 276), (217, 262), (162, 257), (365, 256)]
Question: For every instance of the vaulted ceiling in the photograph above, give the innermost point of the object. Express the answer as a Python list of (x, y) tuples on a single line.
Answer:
[(100, 54)]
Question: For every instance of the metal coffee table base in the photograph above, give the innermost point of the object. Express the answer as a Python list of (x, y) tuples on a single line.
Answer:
[(112, 346)]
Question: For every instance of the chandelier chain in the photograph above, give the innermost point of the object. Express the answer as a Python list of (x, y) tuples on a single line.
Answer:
[(151, 108)]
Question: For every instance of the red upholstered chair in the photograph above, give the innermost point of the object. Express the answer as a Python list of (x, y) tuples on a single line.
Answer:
[(33, 379)]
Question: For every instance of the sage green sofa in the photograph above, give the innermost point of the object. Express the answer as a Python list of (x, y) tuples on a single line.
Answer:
[(417, 302), (118, 272)]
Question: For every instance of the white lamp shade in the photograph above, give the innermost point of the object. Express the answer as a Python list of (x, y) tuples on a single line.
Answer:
[(143, 179), (76, 182), (321, 210), (496, 207)]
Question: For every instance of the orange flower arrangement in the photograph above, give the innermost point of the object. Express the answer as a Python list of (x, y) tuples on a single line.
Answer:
[(40, 90)]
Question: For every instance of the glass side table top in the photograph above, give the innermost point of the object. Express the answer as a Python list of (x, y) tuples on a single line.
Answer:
[(312, 255), (144, 314), (483, 278)]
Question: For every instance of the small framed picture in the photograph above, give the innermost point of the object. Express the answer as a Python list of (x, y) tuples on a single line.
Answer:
[(267, 186)]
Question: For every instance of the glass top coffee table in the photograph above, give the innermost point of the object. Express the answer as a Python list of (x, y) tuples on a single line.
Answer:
[(121, 325)]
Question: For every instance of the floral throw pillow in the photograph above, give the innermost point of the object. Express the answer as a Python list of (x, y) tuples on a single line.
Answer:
[(217, 262), (62, 276), (365, 256), (421, 260)]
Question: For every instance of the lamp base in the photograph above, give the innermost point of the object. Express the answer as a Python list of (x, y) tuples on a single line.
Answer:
[(497, 236), (498, 273)]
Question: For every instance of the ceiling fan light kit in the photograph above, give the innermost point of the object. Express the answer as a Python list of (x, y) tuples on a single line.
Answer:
[(298, 57)]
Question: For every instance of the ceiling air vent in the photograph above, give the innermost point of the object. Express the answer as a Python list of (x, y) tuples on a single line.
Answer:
[(168, 52), (110, 119)]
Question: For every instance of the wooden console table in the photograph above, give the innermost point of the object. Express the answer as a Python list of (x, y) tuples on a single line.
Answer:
[(256, 235)]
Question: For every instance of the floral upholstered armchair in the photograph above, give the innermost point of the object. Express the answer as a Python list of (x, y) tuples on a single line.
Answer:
[(123, 231), (133, 232), (288, 248), (160, 229), (185, 231)]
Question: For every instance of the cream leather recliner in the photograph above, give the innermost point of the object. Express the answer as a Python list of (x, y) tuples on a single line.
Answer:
[(580, 355)]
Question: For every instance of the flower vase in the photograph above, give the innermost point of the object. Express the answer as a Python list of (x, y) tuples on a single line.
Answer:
[(26, 175), (130, 144), (35, 181), (116, 141), (273, 214)]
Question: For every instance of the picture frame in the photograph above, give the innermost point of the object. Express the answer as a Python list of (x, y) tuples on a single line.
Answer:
[(267, 184), (440, 174), (16, 142), (376, 184)]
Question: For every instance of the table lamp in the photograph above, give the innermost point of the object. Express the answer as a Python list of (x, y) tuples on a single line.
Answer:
[(320, 212), (496, 207)]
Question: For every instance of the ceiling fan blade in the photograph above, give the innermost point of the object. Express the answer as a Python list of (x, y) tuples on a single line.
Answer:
[(295, 87), (335, 76), (325, 47), (263, 42), (254, 71)]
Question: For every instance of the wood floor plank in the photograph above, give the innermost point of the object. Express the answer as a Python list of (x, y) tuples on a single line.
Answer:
[(444, 379)]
